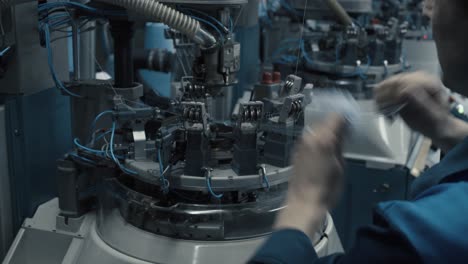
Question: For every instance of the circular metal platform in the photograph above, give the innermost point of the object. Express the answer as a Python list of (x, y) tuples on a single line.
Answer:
[(223, 179)]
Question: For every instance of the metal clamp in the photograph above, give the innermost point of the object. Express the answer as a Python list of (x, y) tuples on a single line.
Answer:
[(208, 171), (195, 113), (292, 106)]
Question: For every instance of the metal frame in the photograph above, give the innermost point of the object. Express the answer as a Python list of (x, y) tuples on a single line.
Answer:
[(121, 243)]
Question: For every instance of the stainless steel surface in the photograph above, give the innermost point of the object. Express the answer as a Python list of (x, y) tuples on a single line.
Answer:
[(6, 227), (184, 251), (87, 41), (139, 137), (422, 55), (222, 106), (123, 241), (374, 139)]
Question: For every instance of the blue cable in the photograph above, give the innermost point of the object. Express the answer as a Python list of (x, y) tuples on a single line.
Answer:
[(363, 74), (94, 151), (164, 181), (57, 16), (46, 6), (207, 16), (57, 82), (208, 185), (289, 8), (102, 135), (96, 119), (82, 158), (161, 165), (304, 53), (282, 47), (267, 182), (58, 23), (221, 35), (111, 147), (358, 71)]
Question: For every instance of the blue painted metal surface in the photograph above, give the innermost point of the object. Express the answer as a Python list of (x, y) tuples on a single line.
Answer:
[(38, 132), (249, 37), (365, 188), (154, 38)]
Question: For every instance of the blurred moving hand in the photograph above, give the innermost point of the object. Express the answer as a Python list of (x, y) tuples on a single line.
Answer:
[(317, 181), (426, 107)]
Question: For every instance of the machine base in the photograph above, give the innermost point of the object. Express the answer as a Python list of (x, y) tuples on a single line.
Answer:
[(46, 238)]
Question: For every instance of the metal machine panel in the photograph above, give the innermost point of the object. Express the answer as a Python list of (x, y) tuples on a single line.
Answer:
[(6, 229), (365, 188), (374, 139), (38, 131)]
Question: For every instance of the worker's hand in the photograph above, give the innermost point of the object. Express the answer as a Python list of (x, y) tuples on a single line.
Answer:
[(317, 181), (426, 107)]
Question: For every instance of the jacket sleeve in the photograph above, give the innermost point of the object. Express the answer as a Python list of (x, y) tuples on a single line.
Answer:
[(374, 244)]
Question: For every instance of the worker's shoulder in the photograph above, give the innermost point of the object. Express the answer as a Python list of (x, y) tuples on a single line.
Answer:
[(435, 223)]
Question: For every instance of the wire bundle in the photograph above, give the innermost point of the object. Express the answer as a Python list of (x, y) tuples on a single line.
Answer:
[(57, 16), (109, 151), (210, 21), (164, 181), (282, 56)]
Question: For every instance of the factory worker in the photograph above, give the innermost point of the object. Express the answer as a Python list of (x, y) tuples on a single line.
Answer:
[(432, 227)]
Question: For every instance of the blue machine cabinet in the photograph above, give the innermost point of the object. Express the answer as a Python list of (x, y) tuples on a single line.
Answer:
[(38, 133)]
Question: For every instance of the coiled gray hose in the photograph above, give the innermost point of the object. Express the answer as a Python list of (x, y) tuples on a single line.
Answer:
[(340, 12), (151, 10)]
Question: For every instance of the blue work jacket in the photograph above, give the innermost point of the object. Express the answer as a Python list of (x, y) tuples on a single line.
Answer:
[(430, 228)]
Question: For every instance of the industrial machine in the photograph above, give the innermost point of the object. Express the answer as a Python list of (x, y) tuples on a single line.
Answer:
[(197, 177), (351, 46), (106, 165)]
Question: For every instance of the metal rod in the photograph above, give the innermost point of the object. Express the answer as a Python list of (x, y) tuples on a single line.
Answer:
[(122, 33), (76, 51)]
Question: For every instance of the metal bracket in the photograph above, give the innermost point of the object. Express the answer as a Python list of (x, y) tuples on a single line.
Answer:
[(292, 85), (139, 138), (195, 113), (208, 172), (250, 112), (292, 106)]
